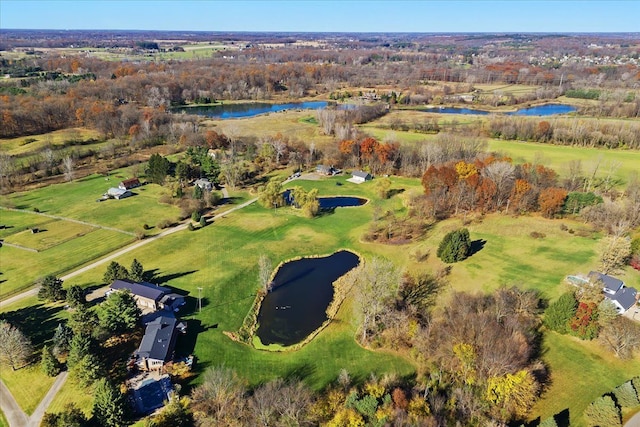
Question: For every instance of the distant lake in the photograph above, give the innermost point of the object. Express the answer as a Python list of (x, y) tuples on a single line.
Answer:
[(340, 202), (250, 109), (302, 291), (542, 110)]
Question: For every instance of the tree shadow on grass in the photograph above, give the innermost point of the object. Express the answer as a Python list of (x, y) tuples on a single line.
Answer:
[(300, 372), (37, 322), (159, 279), (476, 246)]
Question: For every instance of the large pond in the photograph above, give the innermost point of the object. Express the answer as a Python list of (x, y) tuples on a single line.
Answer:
[(302, 291), (236, 111), (542, 110)]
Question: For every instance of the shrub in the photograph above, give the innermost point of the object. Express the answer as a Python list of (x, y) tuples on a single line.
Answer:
[(195, 216), (626, 395), (165, 223), (36, 210), (203, 221), (146, 227), (455, 246), (537, 235), (603, 412), (191, 227)]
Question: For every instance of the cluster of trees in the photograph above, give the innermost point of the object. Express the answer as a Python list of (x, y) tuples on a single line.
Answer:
[(588, 315), (560, 131), (116, 271), (606, 410)]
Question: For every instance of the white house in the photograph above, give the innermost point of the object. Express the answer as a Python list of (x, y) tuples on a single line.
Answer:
[(118, 193), (360, 176), (614, 289)]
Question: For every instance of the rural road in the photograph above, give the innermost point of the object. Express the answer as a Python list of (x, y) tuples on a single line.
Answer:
[(12, 412), (111, 257), (36, 417), (633, 421)]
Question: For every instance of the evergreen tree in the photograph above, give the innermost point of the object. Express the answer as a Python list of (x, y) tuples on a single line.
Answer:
[(455, 246), (603, 412), (81, 345), (136, 271), (158, 169), (87, 370), (62, 338), (560, 312), (48, 363), (51, 289), (108, 405), (75, 296), (203, 221), (119, 312), (83, 320), (115, 272)]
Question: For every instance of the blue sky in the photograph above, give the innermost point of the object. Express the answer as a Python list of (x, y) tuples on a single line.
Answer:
[(325, 15)]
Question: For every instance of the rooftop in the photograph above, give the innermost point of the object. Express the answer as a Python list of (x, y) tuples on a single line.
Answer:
[(157, 342), (144, 289), (626, 297), (611, 284)]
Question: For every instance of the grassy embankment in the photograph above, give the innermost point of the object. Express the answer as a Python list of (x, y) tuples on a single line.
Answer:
[(64, 245)]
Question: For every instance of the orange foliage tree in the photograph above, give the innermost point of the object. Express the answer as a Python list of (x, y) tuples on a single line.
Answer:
[(551, 201)]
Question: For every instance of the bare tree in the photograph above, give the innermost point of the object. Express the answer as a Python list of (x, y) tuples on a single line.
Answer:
[(265, 267), (220, 399), (621, 336), (68, 164), (376, 286), (15, 348), (502, 174), (616, 250)]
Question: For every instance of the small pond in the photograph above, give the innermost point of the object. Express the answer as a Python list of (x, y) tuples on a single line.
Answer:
[(235, 111), (542, 110), (302, 291), (340, 202)]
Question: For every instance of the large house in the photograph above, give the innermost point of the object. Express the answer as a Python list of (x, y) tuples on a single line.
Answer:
[(204, 184), (614, 289), (150, 296), (158, 342)]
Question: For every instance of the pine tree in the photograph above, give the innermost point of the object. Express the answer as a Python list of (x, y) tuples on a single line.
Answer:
[(49, 364), (455, 246), (603, 412), (136, 271), (119, 313), (558, 314), (75, 296), (108, 405), (81, 345), (87, 370), (51, 289), (115, 272), (62, 338)]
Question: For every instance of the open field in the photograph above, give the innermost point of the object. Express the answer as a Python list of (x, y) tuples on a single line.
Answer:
[(72, 392), (20, 268), (580, 372), (79, 202), (49, 235), (22, 146), (621, 162)]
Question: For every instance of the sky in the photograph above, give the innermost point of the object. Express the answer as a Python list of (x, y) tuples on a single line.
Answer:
[(325, 15)]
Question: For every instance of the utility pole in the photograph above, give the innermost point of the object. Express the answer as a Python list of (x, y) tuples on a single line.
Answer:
[(199, 299)]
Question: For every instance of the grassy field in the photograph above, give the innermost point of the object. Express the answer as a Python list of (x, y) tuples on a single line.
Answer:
[(50, 234), (580, 372), (38, 321), (20, 268), (3, 420), (25, 144), (72, 392), (621, 162)]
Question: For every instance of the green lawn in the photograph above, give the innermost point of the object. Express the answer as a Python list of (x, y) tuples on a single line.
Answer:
[(50, 234), (580, 372), (621, 162), (72, 392), (20, 268), (79, 202), (21, 146), (3, 420), (27, 385), (16, 222)]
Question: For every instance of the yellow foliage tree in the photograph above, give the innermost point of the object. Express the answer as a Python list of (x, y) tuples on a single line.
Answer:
[(466, 355), (512, 394), (465, 170), (346, 418)]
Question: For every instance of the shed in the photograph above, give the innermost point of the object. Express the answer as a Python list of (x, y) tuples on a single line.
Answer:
[(204, 183), (360, 176), (128, 184)]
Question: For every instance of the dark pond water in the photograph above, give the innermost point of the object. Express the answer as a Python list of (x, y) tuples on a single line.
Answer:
[(235, 111), (340, 202), (301, 294), (542, 110)]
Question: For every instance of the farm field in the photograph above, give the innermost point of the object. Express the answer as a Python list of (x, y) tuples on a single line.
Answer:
[(29, 144)]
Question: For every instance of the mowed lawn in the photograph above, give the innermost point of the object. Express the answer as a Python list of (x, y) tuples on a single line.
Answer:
[(38, 321), (580, 372), (49, 234), (78, 200), (3, 420), (621, 163), (21, 268), (21, 146)]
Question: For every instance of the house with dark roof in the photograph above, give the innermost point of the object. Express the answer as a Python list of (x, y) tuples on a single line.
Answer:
[(158, 343), (614, 289), (360, 176), (128, 184), (147, 295), (326, 170)]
